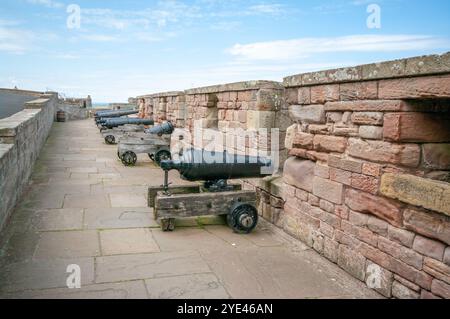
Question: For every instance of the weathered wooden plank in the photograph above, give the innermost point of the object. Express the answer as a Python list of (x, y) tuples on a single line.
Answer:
[(153, 190), (188, 205)]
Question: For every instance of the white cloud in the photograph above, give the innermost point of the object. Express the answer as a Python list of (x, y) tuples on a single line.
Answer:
[(14, 41), (304, 47), (271, 9), (99, 38), (47, 3)]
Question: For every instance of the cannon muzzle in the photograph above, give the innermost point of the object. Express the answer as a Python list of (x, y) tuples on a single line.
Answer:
[(201, 165), (162, 129)]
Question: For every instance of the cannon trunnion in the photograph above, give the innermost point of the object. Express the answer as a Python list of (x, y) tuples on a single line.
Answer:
[(214, 196)]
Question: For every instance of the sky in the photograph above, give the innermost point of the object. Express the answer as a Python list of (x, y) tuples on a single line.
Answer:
[(115, 49)]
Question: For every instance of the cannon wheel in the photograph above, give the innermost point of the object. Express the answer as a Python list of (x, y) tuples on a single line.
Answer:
[(162, 155), (168, 224), (243, 218), (110, 139), (118, 155), (129, 158), (151, 156)]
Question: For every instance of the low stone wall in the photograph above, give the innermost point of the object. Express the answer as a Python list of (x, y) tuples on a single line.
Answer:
[(22, 137), (73, 111)]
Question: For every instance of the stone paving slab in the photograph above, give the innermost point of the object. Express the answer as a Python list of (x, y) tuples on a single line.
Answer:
[(199, 286), (127, 241), (121, 290), (84, 207)]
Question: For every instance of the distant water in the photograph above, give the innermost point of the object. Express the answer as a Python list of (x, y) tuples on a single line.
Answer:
[(100, 105)]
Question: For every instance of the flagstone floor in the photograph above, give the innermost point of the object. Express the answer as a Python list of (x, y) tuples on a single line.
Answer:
[(83, 207)]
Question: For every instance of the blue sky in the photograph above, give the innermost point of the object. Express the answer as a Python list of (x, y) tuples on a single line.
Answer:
[(129, 48)]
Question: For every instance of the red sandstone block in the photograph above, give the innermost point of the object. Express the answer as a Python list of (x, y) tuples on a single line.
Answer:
[(301, 194), (345, 164), (383, 208), (377, 225), (415, 88), (384, 152), (359, 91), (400, 291), (324, 93), (322, 171), (358, 219), (303, 140), (447, 256), (326, 143), (292, 95), (367, 106), (304, 95), (342, 212), (341, 176), (437, 269), (326, 229), (363, 234), (441, 289), (365, 183), (407, 283), (328, 190), (436, 156), (429, 247), (371, 169), (313, 200), (327, 206), (367, 118), (319, 129), (233, 96), (416, 127), (331, 249), (429, 224), (400, 252), (428, 295), (396, 266), (401, 236)]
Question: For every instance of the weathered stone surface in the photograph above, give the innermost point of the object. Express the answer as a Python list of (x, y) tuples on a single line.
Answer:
[(290, 135), (299, 173), (429, 247), (127, 241), (408, 256), (436, 156), (328, 190), (359, 91), (441, 289), (429, 224), (384, 152), (345, 164), (371, 132), (415, 88), (352, 262), (379, 279), (308, 114), (416, 127), (447, 256), (303, 140), (324, 143), (367, 118), (304, 95), (402, 292), (377, 225), (260, 119), (365, 183), (198, 286), (417, 191), (366, 106), (401, 236), (324, 93), (68, 244), (437, 269), (369, 204), (331, 249), (407, 283)]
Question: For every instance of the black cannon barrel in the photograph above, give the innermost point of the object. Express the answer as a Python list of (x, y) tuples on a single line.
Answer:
[(111, 114), (110, 123), (164, 128), (201, 165)]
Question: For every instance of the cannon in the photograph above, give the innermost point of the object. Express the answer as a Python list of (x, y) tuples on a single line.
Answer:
[(116, 122), (215, 196), (114, 135), (155, 142), (112, 114)]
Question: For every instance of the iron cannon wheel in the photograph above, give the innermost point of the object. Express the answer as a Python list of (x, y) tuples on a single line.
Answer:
[(110, 139), (129, 158), (151, 156), (162, 155), (242, 218)]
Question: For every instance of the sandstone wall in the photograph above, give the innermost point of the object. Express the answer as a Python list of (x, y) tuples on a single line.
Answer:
[(367, 183), (22, 137)]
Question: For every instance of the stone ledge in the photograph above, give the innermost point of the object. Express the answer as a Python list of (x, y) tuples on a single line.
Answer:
[(238, 86), (5, 148), (416, 66), (10, 125), (166, 94), (417, 191), (14, 91), (36, 104)]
